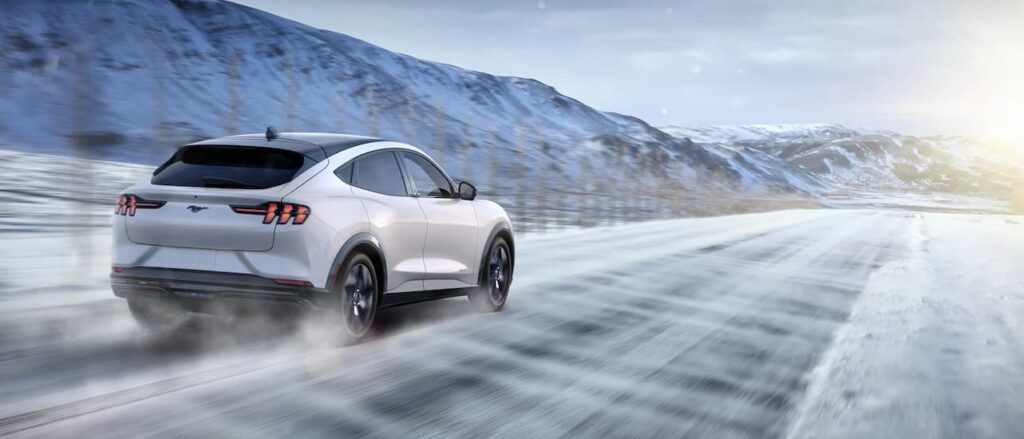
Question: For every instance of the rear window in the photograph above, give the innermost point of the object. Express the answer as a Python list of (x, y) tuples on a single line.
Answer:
[(231, 167)]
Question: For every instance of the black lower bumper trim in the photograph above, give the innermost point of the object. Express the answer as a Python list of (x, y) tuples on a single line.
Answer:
[(204, 287)]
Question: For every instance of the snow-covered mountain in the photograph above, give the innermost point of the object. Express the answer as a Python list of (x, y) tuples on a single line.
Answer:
[(828, 159), (130, 79)]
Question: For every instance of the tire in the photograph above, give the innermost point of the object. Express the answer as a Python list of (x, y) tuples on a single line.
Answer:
[(495, 278), (359, 295), (158, 316)]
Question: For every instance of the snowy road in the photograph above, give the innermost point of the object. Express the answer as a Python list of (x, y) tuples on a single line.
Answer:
[(824, 323)]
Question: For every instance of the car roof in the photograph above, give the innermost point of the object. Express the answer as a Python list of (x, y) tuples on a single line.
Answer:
[(317, 146)]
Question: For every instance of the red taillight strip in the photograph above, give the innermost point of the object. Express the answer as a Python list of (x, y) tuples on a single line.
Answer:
[(286, 213), (268, 210), (301, 213), (250, 210), (146, 204), (293, 282), (127, 204), (270, 213), (282, 212)]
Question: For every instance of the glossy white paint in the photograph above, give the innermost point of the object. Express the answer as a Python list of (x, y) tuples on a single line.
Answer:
[(399, 223), (452, 249), (428, 243)]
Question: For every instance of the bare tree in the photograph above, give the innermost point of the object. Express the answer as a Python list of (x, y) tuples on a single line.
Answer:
[(600, 195), (617, 190), (467, 142), (439, 135), (522, 195), (661, 192), (542, 196), (635, 194), (646, 208), (585, 181), (408, 122), (234, 99), (373, 118), (494, 166), (289, 104), (678, 194), (339, 110), (84, 106), (158, 107)]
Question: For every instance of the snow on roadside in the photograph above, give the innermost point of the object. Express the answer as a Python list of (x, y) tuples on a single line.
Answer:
[(43, 192), (931, 349)]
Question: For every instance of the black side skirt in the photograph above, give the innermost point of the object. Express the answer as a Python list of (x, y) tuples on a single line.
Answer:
[(395, 299)]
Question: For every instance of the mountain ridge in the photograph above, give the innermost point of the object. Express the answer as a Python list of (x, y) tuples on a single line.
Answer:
[(833, 158), (131, 80)]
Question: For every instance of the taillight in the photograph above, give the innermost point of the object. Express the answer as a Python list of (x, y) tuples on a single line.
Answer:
[(293, 282), (128, 203), (283, 212), (301, 213)]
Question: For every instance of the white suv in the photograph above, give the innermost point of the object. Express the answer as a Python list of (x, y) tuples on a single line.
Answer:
[(322, 221)]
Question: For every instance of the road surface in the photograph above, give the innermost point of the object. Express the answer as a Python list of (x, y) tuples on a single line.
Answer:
[(819, 323)]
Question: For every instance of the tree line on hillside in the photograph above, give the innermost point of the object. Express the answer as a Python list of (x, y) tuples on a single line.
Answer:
[(540, 194)]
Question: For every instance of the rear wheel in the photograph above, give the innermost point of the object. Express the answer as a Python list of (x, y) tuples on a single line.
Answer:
[(158, 315), (496, 278), (359, 291)]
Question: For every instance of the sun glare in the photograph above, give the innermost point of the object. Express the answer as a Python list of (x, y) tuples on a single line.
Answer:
[(992, 104), (977, 88)]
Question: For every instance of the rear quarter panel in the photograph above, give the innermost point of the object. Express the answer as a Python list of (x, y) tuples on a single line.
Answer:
[(336, 216)]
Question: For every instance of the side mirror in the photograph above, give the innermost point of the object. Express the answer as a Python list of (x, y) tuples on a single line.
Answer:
[(467, 191)]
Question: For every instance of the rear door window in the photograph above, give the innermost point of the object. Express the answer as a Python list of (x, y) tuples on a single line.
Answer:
[(231, 167), (379, 172)]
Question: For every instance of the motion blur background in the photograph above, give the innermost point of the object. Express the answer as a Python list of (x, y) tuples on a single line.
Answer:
[(833, 88), (872, 119)]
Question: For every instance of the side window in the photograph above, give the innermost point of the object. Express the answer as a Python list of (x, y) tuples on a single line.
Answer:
[(428, 180), (345, 173), (379, 172)]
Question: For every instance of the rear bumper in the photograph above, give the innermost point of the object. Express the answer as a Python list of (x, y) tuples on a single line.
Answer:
[(205, 290)]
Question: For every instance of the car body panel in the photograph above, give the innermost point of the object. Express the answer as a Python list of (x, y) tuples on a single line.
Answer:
[(425, 243), (400, 225), (451, 245)]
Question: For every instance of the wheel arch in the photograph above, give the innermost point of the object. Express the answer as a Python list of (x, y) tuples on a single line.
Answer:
[(504, 231), (364, 243)]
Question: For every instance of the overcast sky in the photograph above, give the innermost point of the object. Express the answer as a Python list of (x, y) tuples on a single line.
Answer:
[(917, 66)]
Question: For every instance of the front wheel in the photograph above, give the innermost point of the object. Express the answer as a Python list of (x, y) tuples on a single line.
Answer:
[(496, 278)]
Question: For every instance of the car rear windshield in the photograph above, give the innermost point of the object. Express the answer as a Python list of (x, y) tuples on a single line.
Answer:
[(231, 167)]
